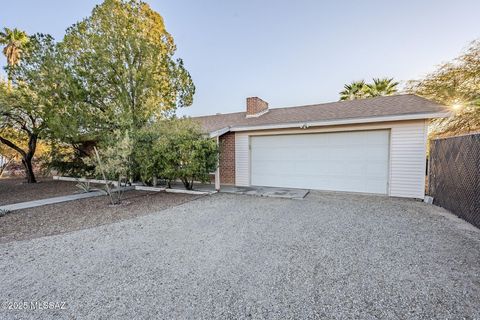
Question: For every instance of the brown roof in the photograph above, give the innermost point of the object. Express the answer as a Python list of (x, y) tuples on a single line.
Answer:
[(405, 104)]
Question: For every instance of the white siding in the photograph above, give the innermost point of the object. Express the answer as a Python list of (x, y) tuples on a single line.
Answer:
[(242, 160), (407, 154), (408, 160)]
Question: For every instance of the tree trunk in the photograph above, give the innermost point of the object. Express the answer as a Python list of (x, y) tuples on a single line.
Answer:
[(26, 156), (187, 184), (27, 163), (27, 159)]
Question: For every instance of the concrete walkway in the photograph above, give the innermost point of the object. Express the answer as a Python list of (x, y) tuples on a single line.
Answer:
[(271, 192), (42, 202)]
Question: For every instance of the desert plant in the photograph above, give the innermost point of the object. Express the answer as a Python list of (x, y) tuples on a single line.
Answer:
[(4, 212), (84, 186), (114, 162), (114, 198)]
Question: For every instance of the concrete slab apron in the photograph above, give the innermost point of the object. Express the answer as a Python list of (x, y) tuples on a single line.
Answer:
[(272, 192)]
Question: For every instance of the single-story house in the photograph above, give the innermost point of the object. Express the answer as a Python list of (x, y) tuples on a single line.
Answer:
[(375, 145)]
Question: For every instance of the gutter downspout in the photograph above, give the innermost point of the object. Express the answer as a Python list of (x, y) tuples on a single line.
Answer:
[(217, 172)]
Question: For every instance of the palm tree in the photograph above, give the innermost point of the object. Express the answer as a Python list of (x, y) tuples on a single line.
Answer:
[(15, 41), (381, 87), (354, 90)]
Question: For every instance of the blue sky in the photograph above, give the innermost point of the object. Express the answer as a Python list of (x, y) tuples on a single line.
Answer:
[(286, 52)]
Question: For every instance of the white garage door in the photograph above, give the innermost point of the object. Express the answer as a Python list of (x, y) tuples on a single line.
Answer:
[(341, 161)]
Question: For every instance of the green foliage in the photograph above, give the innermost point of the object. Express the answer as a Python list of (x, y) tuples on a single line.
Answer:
[(354, 90), (361, 90), (381, 87), (455, 84), (68, 160), (120, 70), (175, 149)]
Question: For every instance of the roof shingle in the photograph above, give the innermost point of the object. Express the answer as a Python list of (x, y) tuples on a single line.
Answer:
[(396, 105)]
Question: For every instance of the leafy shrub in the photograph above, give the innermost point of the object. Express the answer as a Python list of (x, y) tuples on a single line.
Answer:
[(175, 149), (67, 160)]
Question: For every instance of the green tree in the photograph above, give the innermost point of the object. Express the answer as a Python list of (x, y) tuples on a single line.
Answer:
[(354, 90), (455, 84), (381, 87), (120, 70), (20, 125), (25, 107)]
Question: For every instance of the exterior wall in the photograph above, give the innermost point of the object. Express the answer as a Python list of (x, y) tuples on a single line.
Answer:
[(227, 158), (242, 159), (407, 153), (408, 160)]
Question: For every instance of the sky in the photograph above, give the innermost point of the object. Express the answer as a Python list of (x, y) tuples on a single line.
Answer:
[(288, 53)]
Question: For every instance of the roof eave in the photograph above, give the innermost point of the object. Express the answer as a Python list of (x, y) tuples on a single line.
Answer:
[(416, 116), (219, 132)]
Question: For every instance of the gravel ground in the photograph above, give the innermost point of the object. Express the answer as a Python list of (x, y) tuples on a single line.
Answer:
[(330, 256), (81, 214), (15, 190)]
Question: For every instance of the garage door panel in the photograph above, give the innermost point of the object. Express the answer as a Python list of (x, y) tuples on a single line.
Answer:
[(346, 161)]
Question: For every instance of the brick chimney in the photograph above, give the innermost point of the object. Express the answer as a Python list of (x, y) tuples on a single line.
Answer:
[(256, 107)]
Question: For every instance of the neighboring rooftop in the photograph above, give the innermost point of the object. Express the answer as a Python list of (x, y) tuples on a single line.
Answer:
[(397, 105)]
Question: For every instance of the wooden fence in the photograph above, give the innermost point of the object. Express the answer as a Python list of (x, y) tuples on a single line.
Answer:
[(454, 177)]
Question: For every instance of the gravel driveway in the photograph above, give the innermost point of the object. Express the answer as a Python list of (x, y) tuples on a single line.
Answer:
[(332, 256)]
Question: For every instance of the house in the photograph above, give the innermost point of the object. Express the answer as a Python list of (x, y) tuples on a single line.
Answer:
[(375, 145)]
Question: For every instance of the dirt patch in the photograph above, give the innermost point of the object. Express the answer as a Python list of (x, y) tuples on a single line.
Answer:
[(85, 213), (15, 190)]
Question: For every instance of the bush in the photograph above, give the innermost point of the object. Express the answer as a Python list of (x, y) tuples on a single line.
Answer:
[(67, 159), (175, 149), (113, 162)]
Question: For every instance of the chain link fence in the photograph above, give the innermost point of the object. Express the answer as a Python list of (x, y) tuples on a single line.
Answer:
[(454, 179)]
